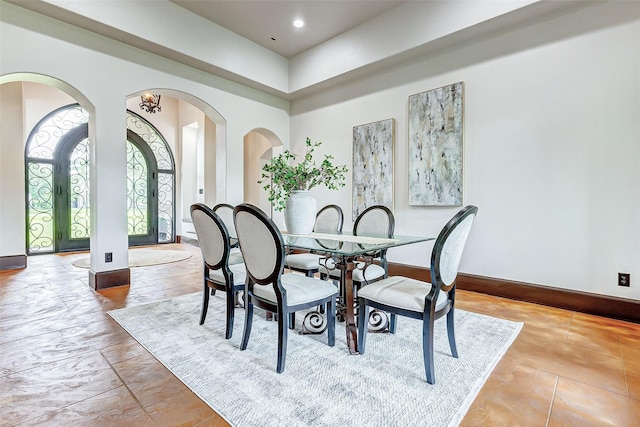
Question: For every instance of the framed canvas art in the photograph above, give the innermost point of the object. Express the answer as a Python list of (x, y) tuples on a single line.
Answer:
[(373, 165), (435, 147)]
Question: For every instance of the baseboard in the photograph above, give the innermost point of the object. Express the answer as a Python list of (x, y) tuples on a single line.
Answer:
[(584, 302), (109, 279), (13, 262)]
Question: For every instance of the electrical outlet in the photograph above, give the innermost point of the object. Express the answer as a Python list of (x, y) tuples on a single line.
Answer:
[(624, 279), (108, 257)]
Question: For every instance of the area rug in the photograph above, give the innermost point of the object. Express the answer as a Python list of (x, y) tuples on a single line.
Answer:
[(321, 385), (143, 258)]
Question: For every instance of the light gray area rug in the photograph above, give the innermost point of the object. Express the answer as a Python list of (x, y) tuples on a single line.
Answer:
[(321, 385), (143, 257)]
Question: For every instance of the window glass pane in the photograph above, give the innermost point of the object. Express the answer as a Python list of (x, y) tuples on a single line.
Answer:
[(46, 135), (137, 192), (165, 207), (79, 212), (153, 138), (40, 207)]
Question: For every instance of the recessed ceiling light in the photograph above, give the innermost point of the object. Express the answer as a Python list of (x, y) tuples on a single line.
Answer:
[(298, 23)]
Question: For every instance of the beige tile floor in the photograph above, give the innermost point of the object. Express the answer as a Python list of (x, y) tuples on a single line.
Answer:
[(64, 361)]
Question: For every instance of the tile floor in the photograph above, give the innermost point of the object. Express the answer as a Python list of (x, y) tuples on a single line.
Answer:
[(64, 361)]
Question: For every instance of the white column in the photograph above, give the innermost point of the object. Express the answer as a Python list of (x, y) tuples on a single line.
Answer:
[(108, 165)]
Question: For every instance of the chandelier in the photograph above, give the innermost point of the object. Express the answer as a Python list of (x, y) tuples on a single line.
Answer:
[(150, 103)]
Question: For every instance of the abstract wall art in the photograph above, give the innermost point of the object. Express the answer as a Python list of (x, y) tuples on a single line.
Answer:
[(435, 147), (373, 165)]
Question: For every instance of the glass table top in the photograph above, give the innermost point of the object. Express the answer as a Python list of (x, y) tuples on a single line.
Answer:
[(347, 243)]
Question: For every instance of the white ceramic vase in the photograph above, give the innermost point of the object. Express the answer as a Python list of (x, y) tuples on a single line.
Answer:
[(300, 212)]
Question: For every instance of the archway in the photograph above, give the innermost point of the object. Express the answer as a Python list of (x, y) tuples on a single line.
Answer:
[(57, 175), (260, 145), (196, 133), (16, 118)]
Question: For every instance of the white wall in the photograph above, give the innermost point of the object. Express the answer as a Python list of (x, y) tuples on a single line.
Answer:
[(107, 73), (551, 150), (256, 147), (12, 239)]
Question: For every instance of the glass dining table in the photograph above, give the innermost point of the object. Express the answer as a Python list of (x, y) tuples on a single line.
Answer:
[(346, 252)]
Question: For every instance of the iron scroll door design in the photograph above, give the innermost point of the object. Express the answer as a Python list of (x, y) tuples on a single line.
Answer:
[(57, 183), (71, 183), (71, 180), (142, 192), (43, 169)]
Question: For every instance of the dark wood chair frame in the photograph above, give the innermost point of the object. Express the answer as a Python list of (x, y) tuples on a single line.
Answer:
[(429, 315), (228, 287), (284, 313)]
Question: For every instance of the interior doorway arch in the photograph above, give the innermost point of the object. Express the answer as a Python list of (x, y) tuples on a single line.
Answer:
[(260, 145), (198, 135), (57, 181)]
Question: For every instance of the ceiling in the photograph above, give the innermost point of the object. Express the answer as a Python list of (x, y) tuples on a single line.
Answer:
[(262, 21)]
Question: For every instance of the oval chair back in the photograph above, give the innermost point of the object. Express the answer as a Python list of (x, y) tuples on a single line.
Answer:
[(261, 244), (225, 212), (268, 288), (329, 219), (448, 248), (426, 301), (375, 221), (212, 235), (213, 239)]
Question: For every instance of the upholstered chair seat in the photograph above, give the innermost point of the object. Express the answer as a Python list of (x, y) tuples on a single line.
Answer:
[(239, 274), (329, 219), (300, 290), (235, 256), (268, 288), (402, 292), (305, 262), (423, 300), (223, 270), (375, 221)]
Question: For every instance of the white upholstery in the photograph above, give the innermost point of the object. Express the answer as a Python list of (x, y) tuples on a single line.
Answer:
[(372, 272), (226, 215), (300, 289), (235, 256), (209, 237), (304, 261), (401, 292), (239, 274), (328, 221), (260, 256), (452, 250), (374, 223)]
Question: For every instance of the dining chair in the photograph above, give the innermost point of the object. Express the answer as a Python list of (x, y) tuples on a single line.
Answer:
[(329, 219), (375, 221), (416, 299), (267, 287), (225, 212), (213, 239)]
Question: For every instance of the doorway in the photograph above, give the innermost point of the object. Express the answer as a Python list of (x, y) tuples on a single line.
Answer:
[(57, 183)]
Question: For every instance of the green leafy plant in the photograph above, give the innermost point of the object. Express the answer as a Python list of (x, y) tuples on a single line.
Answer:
[(282, 175)]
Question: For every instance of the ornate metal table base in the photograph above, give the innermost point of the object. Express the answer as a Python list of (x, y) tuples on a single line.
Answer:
[(314, 322), (378, 321)]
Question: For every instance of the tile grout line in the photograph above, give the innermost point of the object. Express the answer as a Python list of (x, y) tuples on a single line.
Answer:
[(133, 396), (553, 398), (624, 370)]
